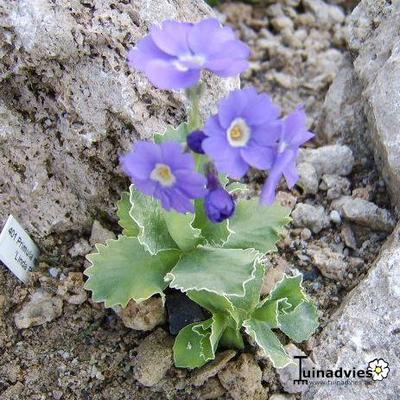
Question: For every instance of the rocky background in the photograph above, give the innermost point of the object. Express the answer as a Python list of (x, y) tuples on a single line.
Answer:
[(69, 106)]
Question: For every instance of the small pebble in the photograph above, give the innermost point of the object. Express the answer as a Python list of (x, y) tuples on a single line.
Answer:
[(334, 216), (305, 234), (54, 272)]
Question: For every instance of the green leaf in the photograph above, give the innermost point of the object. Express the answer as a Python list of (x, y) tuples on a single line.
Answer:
[(252, 288), (300, 323), (289, 309), (217, 270), (255, 226), (288, 288), (130, 227), (210, 342), (188, 351), (217, 304), (181, 230), (122, 270), (267, 312), (235, 187), (178, 134), (215, 234), (149, 216), (232, 338), (272, 348)]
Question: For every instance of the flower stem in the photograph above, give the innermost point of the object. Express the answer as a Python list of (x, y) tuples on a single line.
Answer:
[(194, 118)]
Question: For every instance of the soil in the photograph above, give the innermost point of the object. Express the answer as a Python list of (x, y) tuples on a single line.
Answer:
[(87, 353)]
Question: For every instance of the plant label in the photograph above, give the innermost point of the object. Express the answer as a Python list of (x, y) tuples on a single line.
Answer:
[(17, 250)]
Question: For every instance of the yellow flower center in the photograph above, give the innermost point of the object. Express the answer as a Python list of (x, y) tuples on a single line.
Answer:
[(378, 370), (162, 173), (238, 133)]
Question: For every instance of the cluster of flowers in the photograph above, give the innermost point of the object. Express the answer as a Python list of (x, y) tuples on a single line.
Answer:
[(246, 132)]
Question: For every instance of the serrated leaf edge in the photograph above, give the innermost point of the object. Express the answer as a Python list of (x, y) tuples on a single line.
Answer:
[(169, 277), (141, 228), (86, 272), (248, 329)]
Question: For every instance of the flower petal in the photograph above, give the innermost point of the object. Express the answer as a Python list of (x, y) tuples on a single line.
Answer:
[(267, 134), (258, 156), (173, 155), (213, 127), (268, 191), (147, 186), (291, 174), (192, 184), (232, 106), (295, 128), (172, 37), (140, 162), (261, 109), (145, 52), (208, 36), (164, 75), (180, 202)]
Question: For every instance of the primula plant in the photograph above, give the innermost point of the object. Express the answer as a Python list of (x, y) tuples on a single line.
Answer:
[(186, 221)]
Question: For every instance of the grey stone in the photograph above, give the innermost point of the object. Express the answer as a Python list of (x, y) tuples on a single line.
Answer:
[(314, 218), (335, 186), (80, 248), (154, 358), (100, 234), (291, 372), (143, 316), (364, 328), (374, 40), (349, 4), (330, 263), (342, 118), (331, 159), (212, 368), (212, 389), (308, 178), (72, 290), (348, 237), (242, 378), (281, 396), (41, 308), (363, 212), (325, 14), (69, 106), (335, 217)]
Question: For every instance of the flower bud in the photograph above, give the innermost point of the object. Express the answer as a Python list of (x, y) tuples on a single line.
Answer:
[(218, 205), (194, 141)]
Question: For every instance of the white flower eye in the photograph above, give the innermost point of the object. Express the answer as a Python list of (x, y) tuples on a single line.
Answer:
[(238, 133)]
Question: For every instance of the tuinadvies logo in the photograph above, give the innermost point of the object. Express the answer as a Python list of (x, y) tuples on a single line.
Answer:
[(378, 369)]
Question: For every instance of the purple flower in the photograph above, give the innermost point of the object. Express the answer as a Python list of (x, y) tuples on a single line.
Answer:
[(173, 55), (218, 203), (240, 135), (292, 135), (166, 173), (194, 141)]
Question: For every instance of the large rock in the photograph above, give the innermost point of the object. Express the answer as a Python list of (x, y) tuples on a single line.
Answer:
[(366, 327), (374, 40), (343, 118), (69, 105)]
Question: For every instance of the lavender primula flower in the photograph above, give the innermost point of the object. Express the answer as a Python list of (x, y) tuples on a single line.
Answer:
[(166, 173), (242, 133), (194, 141), (293, 134), (218, 203), (173, 55)]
